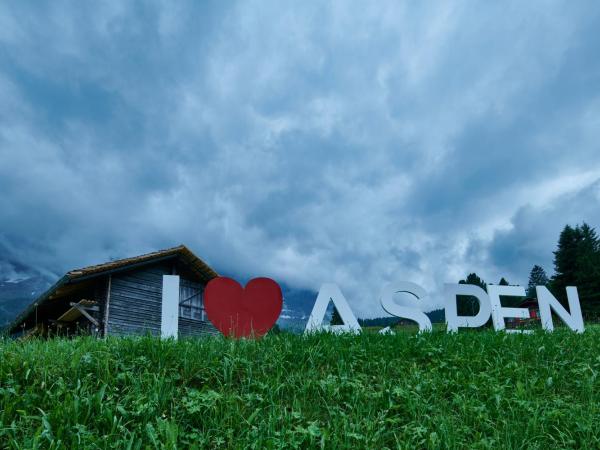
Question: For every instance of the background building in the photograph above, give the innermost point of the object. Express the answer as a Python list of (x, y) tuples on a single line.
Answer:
[(121, 297)]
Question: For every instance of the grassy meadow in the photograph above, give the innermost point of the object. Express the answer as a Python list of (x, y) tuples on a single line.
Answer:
[(469, 390)]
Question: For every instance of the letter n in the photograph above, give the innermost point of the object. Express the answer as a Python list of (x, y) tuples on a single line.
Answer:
[(547, 301)]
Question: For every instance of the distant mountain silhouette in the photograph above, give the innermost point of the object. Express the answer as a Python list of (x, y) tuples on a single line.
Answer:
[(297, 305), (15, 295)]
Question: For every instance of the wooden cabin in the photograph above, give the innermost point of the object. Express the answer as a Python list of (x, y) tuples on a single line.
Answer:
[(121, 297), (532, 305)]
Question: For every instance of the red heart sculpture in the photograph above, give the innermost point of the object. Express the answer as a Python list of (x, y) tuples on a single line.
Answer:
[(243, 312)]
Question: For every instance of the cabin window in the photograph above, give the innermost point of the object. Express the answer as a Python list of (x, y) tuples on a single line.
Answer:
[(191, 300)]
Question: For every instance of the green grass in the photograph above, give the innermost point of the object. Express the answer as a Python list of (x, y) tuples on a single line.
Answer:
[(469, 390)]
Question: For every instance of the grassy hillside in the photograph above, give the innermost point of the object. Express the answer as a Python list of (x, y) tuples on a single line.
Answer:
[(474, 389)]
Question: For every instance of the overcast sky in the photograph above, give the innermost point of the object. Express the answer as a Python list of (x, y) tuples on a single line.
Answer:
[(307, 141)]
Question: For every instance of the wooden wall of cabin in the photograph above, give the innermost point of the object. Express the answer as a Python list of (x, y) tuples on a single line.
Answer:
[(135, 303), (192, 318), (192, 328)]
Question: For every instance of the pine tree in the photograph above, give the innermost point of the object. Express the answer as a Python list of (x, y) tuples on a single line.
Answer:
[(537, 277), (577, 263), (473, 278), (565, 261), (336, 319), (503, 282), (587, 276)]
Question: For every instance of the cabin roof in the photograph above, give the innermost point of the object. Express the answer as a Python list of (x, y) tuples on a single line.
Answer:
[(195, 264), (529, 302), (66, 284)]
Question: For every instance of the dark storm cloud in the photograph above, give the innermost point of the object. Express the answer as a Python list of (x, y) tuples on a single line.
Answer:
[(534, 232), (343, 142)]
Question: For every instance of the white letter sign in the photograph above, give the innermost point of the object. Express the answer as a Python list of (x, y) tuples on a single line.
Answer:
[(169, 322), (499, 312), (412, 313), (330, 292), (455, 321), (546, 301)]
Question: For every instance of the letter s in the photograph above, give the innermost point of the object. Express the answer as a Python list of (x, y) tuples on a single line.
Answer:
[(412, 313)]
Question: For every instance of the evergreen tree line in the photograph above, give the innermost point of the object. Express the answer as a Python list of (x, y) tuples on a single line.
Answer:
[(576, 263)]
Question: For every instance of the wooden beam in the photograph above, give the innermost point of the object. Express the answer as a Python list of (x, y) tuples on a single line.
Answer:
[(82, 310), (86, 307), (107, 304)]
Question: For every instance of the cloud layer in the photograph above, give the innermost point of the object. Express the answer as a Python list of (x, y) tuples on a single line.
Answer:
[(348, 142)]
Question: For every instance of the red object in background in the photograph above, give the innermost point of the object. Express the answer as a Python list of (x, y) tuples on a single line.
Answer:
[(243, 312)]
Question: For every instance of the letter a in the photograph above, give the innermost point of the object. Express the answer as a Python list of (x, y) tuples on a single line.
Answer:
[(330, 292)]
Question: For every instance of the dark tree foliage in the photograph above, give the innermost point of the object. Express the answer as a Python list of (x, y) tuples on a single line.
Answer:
[(577, 263), (565, 259), (467, 305), (537, 277), (473, 278), (336, 319)]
